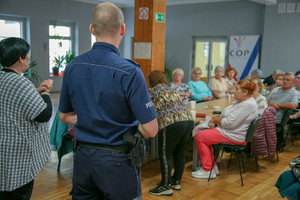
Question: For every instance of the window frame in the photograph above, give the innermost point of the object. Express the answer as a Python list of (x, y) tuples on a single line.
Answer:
[(24, 27), (72, 38)]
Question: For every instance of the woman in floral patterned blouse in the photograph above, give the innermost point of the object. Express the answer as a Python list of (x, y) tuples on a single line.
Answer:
[(175, 124)]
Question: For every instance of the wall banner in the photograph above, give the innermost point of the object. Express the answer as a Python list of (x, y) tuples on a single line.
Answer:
[(244, 54)]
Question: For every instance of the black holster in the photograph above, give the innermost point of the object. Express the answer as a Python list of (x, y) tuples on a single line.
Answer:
[(138, 148)]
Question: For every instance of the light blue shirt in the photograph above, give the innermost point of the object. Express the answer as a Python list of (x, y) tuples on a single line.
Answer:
[(282, 97), (199, 89)]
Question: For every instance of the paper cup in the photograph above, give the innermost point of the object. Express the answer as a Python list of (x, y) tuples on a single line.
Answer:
[(193, 113), (217, 108), (193, 104)]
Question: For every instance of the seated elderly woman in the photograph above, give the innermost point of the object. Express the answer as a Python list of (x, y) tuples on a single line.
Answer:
[(257, 73), (230, 75), (175, 124), (278, 81), (200, 90), (270, 80), (231, 127), (261, 101), (218, 85), (182, 88)]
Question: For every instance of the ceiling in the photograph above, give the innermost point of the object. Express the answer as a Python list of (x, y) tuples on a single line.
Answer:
[(130, 3)]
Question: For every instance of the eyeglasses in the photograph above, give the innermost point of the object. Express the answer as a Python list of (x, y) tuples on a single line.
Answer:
[(298, 78), (286, 79), (197, 73)]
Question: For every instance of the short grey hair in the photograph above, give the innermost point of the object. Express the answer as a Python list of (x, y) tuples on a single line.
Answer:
[(219, 67), (257, 72), (290, 73), (277, 71), (178, 70)]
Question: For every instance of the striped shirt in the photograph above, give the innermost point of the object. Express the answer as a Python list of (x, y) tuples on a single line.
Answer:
[(262, 104)]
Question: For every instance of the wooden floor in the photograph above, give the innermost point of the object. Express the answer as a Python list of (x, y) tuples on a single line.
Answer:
[(258, 185)]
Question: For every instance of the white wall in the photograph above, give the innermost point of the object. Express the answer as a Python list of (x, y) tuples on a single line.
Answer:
[(39, 13), (280, 32), (206, 19), (281, 40)]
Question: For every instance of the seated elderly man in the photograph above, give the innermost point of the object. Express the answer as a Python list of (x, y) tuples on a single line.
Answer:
[(285, 97)]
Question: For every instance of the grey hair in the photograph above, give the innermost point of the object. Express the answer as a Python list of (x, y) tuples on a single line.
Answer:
[(257, 72), (277, 71), (290, 73), (219, 67), (178, 70)]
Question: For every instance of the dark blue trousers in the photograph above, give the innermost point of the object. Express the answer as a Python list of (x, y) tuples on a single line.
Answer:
[(101, 174)]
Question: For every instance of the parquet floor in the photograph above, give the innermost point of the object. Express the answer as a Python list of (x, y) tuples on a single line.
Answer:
[(258, 185)]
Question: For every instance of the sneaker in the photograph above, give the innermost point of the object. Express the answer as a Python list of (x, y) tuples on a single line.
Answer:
[(165, 190), (215, 169), (201, 173), (175, 184)]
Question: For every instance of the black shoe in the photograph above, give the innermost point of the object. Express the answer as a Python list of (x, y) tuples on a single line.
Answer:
[(165, 190), (175, 184)]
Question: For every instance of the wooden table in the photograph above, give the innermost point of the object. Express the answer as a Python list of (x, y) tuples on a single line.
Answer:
[(200, 108), (207, 108)]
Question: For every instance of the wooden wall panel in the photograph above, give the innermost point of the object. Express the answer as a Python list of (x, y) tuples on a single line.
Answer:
[(143, 27), (149, 30), (159, 28), (158, 56)]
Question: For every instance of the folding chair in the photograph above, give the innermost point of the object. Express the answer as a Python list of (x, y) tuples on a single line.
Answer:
[(238, 148)]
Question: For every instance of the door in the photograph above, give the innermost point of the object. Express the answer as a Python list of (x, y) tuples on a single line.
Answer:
[(209, 53)]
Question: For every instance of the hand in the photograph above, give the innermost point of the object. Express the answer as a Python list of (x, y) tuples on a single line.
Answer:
[(185, 94), (211, 123), (274, 105), (293, 117), (46, 85), (207, 98)]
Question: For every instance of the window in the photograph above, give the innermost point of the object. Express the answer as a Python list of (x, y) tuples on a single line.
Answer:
[(13, 26), (61, 43)]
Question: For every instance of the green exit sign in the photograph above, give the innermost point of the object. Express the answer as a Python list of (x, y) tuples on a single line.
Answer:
[(159, 17)]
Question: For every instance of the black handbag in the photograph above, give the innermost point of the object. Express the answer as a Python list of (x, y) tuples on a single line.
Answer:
[(295, 166)]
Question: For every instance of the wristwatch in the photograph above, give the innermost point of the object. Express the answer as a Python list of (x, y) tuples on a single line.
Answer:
[(295, 117), (45, 91)]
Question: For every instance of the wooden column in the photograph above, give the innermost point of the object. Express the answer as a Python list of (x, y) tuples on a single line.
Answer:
[(149, 34)]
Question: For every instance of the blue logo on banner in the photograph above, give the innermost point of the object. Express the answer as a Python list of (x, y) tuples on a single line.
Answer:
[(251, 60)]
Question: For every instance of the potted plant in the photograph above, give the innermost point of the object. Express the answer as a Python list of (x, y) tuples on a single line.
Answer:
[(69, 57), (32, 73), (169, 64), (58, 62)]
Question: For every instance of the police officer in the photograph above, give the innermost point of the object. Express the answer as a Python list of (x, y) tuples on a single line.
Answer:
[(105, 96)]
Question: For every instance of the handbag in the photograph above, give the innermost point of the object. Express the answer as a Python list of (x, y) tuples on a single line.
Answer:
[(295, 166)]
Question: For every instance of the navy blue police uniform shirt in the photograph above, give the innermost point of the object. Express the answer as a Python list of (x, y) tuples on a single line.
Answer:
[(108, 93)]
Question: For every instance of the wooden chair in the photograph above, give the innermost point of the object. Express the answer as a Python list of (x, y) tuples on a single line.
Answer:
[(238, 148)]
